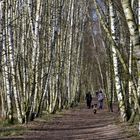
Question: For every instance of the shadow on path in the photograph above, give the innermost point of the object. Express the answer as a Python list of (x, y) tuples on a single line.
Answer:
[(76, 124)]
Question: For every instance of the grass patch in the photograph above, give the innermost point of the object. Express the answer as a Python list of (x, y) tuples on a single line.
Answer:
[(49, 117), (5, 123), (8, 129), (12, 131), (15, 129)]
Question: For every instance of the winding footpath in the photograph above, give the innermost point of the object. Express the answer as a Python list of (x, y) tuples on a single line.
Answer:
[(78, 123)]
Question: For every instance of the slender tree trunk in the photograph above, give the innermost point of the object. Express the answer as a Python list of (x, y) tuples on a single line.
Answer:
[(134, 36), (115, 63), (139, 16), (11, 60)]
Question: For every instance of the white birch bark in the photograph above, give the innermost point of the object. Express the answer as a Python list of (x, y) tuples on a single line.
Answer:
[(135, 38), (35, 51), (115, 62), (3, 63), (134, 34), (71, 12), (6, 83), (5, 68), (24, 53), (139, 16), (130, 84), (12, 65)]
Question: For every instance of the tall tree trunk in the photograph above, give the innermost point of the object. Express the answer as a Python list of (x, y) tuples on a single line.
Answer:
[(139, 16), (134, 36), (115, 62)]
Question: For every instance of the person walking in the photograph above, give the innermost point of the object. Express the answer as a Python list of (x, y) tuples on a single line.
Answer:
[(88, 99), (100, 99)]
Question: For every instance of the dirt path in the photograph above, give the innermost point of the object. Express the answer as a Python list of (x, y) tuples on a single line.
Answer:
[(77, 124)]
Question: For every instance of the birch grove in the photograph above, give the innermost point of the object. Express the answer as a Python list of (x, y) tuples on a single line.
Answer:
[(40, 56), (54, 51)]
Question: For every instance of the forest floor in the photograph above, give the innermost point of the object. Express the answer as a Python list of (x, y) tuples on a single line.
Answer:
[(78, 123)]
